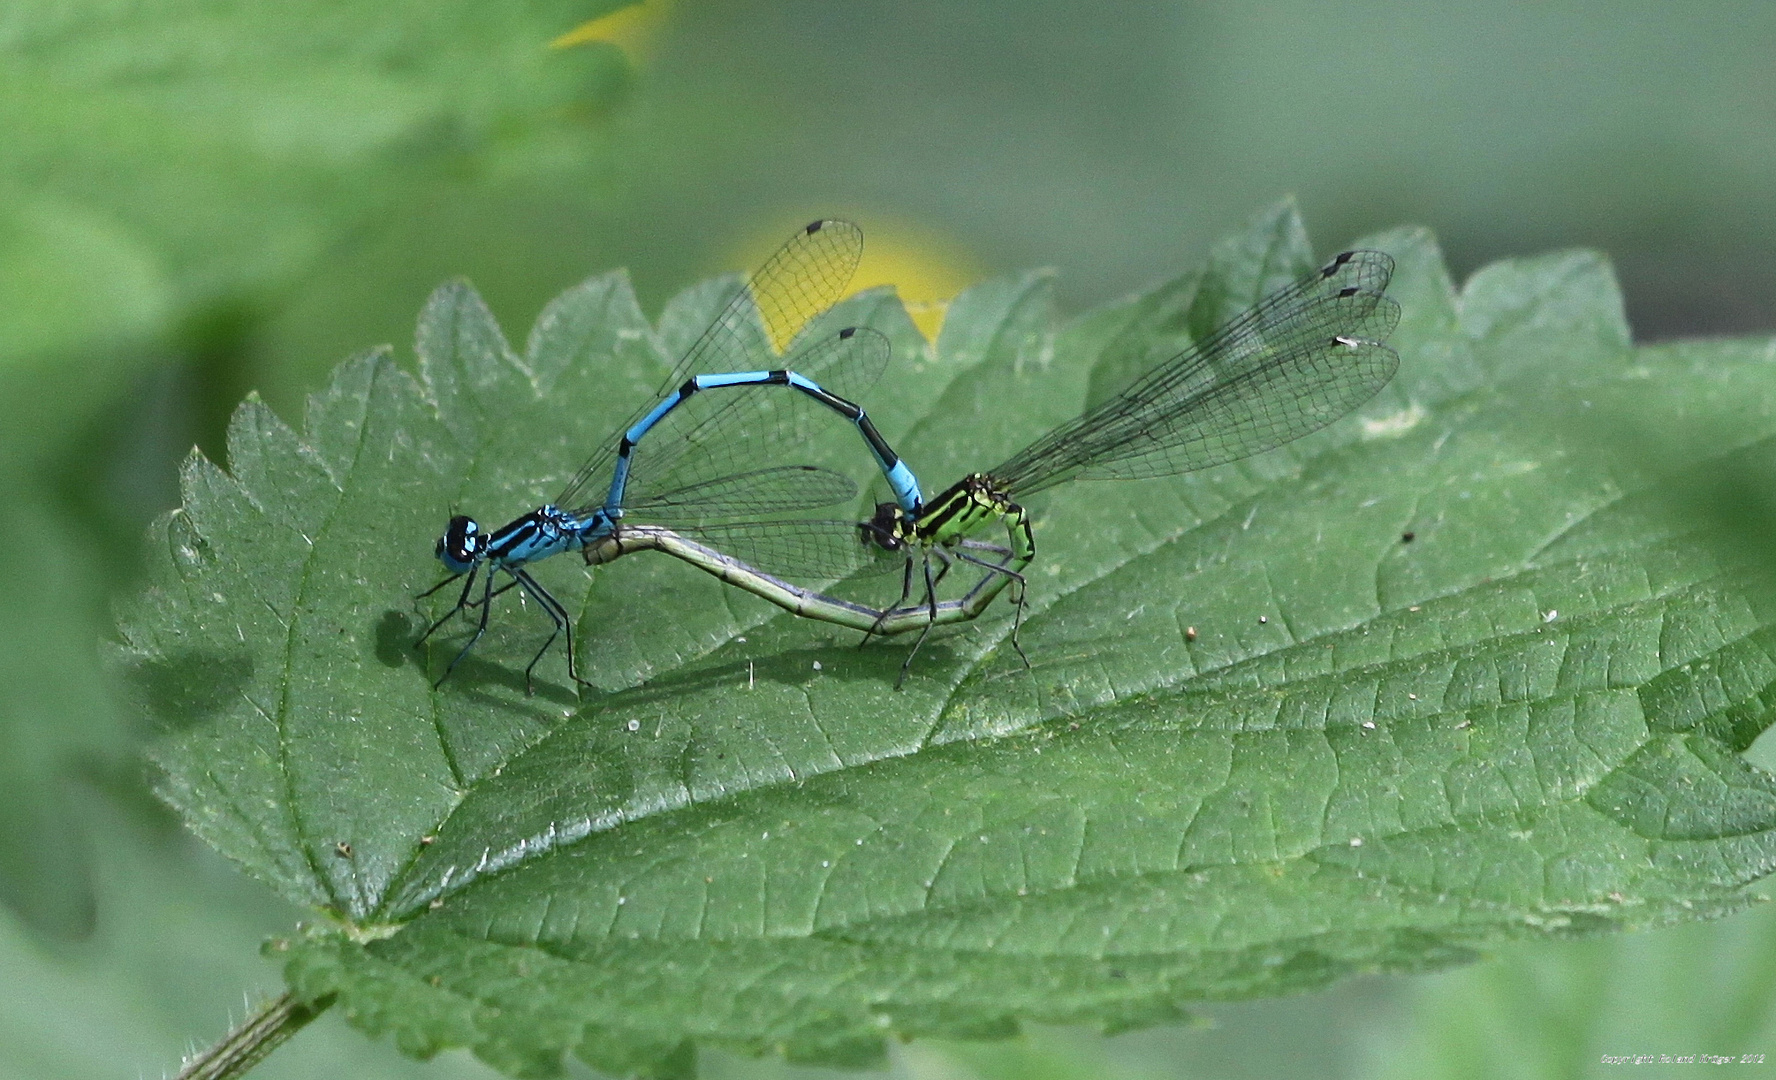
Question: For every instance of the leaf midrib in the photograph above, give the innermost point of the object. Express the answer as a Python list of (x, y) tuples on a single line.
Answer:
[(314, 548)]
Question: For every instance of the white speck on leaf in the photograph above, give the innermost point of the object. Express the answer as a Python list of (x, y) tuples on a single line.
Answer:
[(1398, 423)]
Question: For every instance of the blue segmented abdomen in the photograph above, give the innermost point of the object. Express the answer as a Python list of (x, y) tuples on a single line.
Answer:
[(743, 378), (900, 478), (905, 485)]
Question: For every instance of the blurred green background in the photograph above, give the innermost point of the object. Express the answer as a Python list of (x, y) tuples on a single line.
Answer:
[(198, 200)]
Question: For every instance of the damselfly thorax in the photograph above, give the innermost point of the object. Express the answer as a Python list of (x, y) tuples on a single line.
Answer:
[(941, 531), (953, 515)]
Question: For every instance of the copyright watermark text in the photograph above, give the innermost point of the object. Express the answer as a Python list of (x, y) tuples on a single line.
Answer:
[(1683, 1059)]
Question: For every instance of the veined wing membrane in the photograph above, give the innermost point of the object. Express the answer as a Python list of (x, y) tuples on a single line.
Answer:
[(783, 489), (1298, 360), (722, 428), (762, 321)]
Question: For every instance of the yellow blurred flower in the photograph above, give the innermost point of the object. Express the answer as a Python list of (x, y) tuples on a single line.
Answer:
[(926, 268), (634, 29)]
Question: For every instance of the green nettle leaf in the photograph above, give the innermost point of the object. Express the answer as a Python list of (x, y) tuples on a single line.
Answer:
[(1434, 678)]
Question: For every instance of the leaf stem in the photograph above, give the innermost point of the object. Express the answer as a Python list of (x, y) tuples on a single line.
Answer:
[(255, 1037)]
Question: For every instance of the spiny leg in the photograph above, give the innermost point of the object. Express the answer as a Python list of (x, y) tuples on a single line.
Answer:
[(573, 671), (462, 601), (497, 593), (943, 557), (563, 625), (481, 628), (906, 590), (989, 565), (441, 584), (994, 549), (1003, 566), (906, 585), (542, 599), (1017, 600), (931, 606)]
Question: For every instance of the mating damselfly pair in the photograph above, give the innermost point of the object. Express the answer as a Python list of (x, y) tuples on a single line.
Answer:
[(691, 473)]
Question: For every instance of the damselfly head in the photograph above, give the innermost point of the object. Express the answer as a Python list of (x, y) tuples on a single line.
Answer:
[(462, 545), (889, 529)]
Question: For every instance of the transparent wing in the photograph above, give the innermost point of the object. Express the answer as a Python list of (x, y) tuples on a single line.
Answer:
[(848, 363), (723, 428), (783, 489), (804, 551), (807, 275), (1293, 363)]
